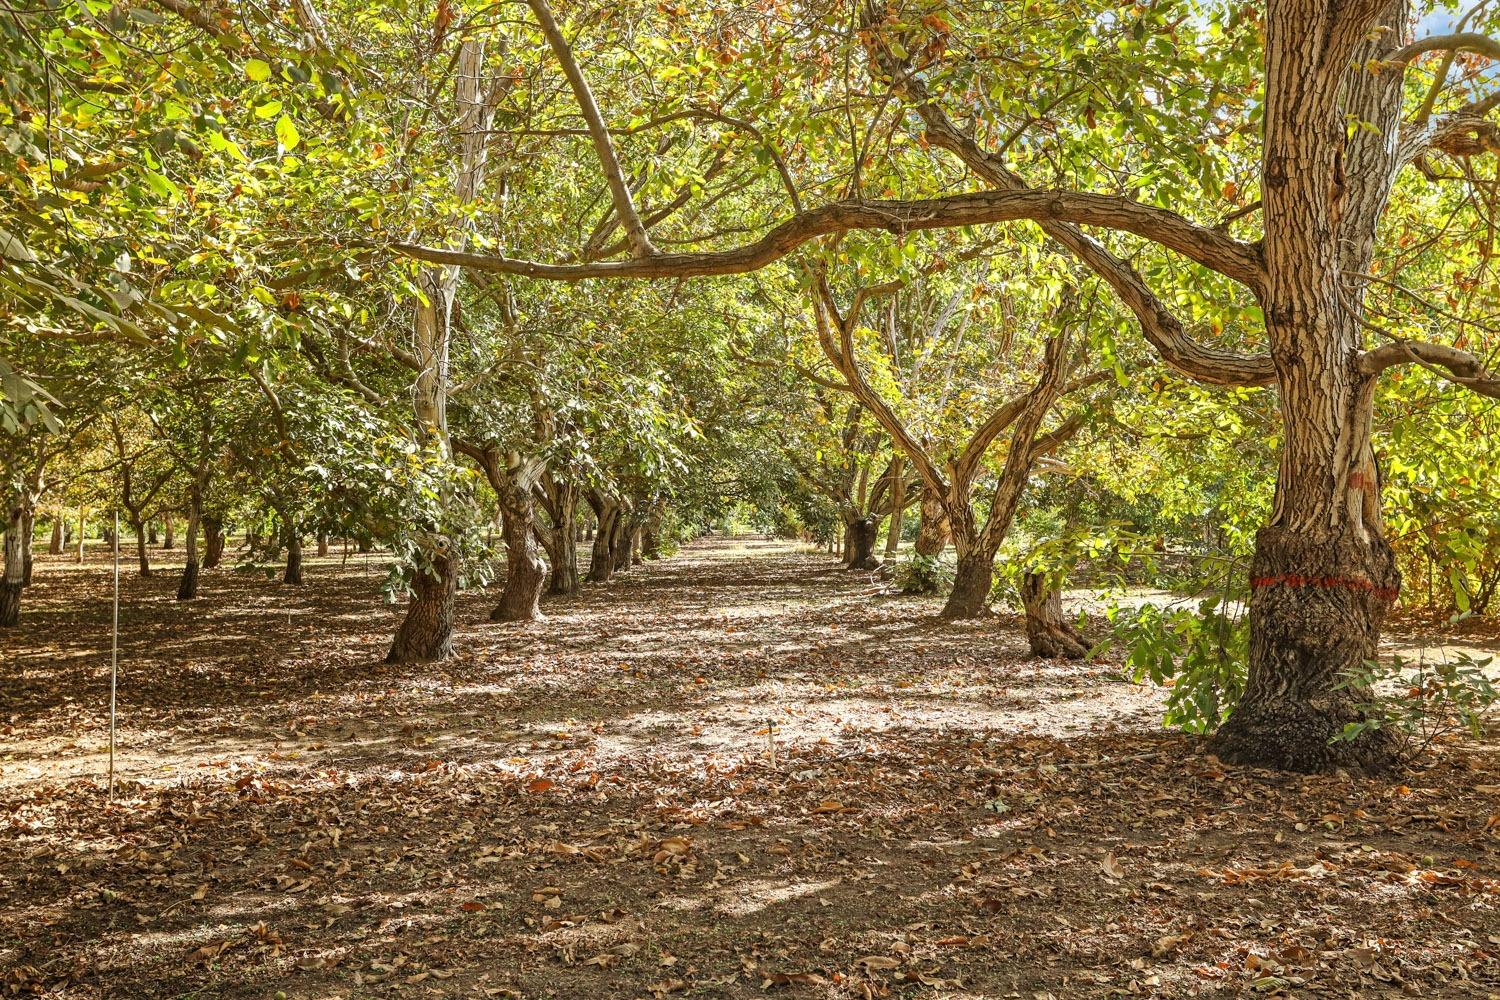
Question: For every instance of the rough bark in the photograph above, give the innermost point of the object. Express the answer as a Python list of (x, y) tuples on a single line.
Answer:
[(863, 533), (1050, 635), (28, 531), (602, 557), (972, 579), (153, 537), (56, 542), (932, 531), (565, 532), (525, 571), (1323, 577), (169, 532), (426, 633)]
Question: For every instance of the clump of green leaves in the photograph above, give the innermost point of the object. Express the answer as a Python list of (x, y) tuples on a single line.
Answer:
[(1420, 703), (1201, 653), (919, 574)]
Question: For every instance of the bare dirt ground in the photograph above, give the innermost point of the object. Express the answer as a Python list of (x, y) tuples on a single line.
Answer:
[(739, 772)]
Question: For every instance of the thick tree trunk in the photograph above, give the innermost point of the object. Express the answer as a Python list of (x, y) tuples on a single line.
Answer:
[(187, 590), (602, 557), (426, 633), (55, 543), (862, 534), (292, 538), (1323, 576), (169, 538), (1316, 608), (525, 572), (619, 542), (1050, 635), (142, 554), (213, 541), (564, 578), (972, 579), (12, 580)]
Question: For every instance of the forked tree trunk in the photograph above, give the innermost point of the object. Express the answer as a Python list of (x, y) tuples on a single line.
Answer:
[(525, 572), (293, 540), (863, 533), (1323, 576), (426, 633), (1050, 635), (213, 541), (142, 554)]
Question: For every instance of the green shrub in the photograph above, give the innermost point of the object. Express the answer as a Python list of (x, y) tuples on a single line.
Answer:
[(1421, 703), (919, 574)]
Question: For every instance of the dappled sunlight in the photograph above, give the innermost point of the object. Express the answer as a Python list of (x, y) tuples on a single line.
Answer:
[(683, 771)]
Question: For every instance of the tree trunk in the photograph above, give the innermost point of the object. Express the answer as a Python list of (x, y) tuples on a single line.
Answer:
[(293, 539), (322, 543), (932, 531), (898, 508), (1323, 576), (565, 563), (213, 541), (863, 533), (169, 539), (152, 538), (426, 633), (366, 545), (187, 590), (83, 526), (12, 581), (142, 554), (1051, 635), (619, 542), (602, 557), (635, 544), (525, 572), (972, 579), (28, 531), (55, 545)]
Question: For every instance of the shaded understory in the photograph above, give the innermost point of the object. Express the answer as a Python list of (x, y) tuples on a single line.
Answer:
[(738, 770)]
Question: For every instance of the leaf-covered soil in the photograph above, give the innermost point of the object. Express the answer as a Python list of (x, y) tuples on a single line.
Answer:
[(736, 772)]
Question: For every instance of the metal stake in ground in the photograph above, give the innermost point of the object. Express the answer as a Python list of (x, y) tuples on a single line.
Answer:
[(114, 660)]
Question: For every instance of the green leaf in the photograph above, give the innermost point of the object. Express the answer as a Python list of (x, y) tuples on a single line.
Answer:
[(270, 109), (287, 134), (258, 70)]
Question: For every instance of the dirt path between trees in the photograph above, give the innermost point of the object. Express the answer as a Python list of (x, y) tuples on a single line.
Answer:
[(736, 771)]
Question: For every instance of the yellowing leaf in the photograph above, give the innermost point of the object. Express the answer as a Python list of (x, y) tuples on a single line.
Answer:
[(287, 134), (258, 70)]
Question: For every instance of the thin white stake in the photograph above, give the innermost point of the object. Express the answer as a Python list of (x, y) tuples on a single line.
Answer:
[(114, 661)]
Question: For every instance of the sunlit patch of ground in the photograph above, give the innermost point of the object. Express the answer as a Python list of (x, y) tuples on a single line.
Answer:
[(738, 770)]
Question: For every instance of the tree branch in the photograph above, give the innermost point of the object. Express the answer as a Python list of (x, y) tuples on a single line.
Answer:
[(603, 145), (1459, 367)]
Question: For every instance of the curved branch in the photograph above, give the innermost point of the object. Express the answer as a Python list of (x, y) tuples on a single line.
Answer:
[(1459, 367), (1221, 253), (1462, 41)]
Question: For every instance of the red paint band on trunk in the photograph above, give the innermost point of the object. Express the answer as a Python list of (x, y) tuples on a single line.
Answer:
[(1326, 582)]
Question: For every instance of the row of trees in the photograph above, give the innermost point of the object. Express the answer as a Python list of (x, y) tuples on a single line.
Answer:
[(424, 264)]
